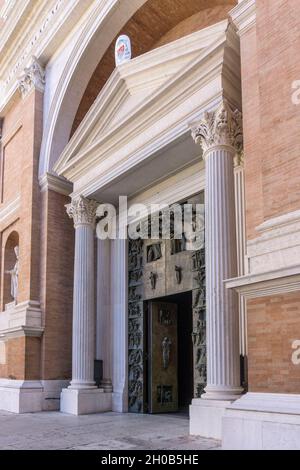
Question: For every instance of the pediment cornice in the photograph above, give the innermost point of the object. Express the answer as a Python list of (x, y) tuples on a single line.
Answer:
[(244, 15), (142, 92)]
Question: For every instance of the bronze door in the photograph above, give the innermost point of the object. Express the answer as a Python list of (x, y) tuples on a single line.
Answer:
[(162, 353)]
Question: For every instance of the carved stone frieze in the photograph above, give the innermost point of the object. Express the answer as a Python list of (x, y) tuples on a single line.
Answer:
[(199, 323)]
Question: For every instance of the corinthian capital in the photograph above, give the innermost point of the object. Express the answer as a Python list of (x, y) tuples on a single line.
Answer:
[(82, 211), (221, 127), (32, 77)]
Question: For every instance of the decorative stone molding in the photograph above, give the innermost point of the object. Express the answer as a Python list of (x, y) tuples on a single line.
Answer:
[(222, 127), (9, 210), (32, 77), (6, 9), (82, 211), (277, 282), (239, 160), (51, 182), (243, 15), (24, 319)]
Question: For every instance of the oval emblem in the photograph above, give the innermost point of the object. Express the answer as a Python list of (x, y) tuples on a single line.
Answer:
[(123, 50)]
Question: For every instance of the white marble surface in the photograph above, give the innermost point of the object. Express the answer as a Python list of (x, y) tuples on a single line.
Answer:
[(262, 421), (107, 431)]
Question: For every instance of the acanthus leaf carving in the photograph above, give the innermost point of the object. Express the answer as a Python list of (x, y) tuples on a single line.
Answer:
[(82, 211), (221, 127), (32, 77)]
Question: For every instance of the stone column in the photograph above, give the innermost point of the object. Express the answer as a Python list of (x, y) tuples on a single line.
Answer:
[(104, 316), (239, 185), (83, 396), (220, 135), (119, 299)]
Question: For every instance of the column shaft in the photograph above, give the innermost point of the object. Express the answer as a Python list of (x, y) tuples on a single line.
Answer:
[(83, 309), (223, 369)]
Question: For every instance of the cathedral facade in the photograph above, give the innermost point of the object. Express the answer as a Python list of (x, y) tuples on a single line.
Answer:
[(126, 105)]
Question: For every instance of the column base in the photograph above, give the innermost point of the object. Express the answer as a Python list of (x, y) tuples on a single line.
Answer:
[(221, 393), (107, 386), (206, 417), (85, 401), (21, 396)]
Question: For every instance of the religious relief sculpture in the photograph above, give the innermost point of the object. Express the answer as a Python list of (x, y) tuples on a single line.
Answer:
[(166, 349), (135, 326), (165, 317), (153, 279), (154, 252), (134, 310), (14, 276), (178, 273), (199, 322), (164, 394)]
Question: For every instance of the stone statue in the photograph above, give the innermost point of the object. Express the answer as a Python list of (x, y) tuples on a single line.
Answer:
[(166, 348), (14, 273)]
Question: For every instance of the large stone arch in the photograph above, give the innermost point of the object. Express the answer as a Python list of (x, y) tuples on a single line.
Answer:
[(90, 60)]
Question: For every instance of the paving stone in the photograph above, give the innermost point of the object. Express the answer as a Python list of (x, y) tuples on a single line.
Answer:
[(106, 431)]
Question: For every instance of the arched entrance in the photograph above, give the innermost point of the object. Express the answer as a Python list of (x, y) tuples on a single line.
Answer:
[(90, 62)]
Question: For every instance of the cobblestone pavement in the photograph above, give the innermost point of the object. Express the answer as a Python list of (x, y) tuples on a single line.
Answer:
[(107, 431)]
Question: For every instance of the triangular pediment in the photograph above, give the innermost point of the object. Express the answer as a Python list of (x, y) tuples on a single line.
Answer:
[(133, 82), (145, 85)]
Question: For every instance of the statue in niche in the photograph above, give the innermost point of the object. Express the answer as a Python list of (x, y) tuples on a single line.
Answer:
[(14, 274), (166, 348), (154, 252)]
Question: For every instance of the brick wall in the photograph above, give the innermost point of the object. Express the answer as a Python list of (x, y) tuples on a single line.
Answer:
[(269, 53), (273, 326), (22, 133), (57, 286), (272, 140)]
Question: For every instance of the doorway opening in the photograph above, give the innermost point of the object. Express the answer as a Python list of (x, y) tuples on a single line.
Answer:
[(170, 353)]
